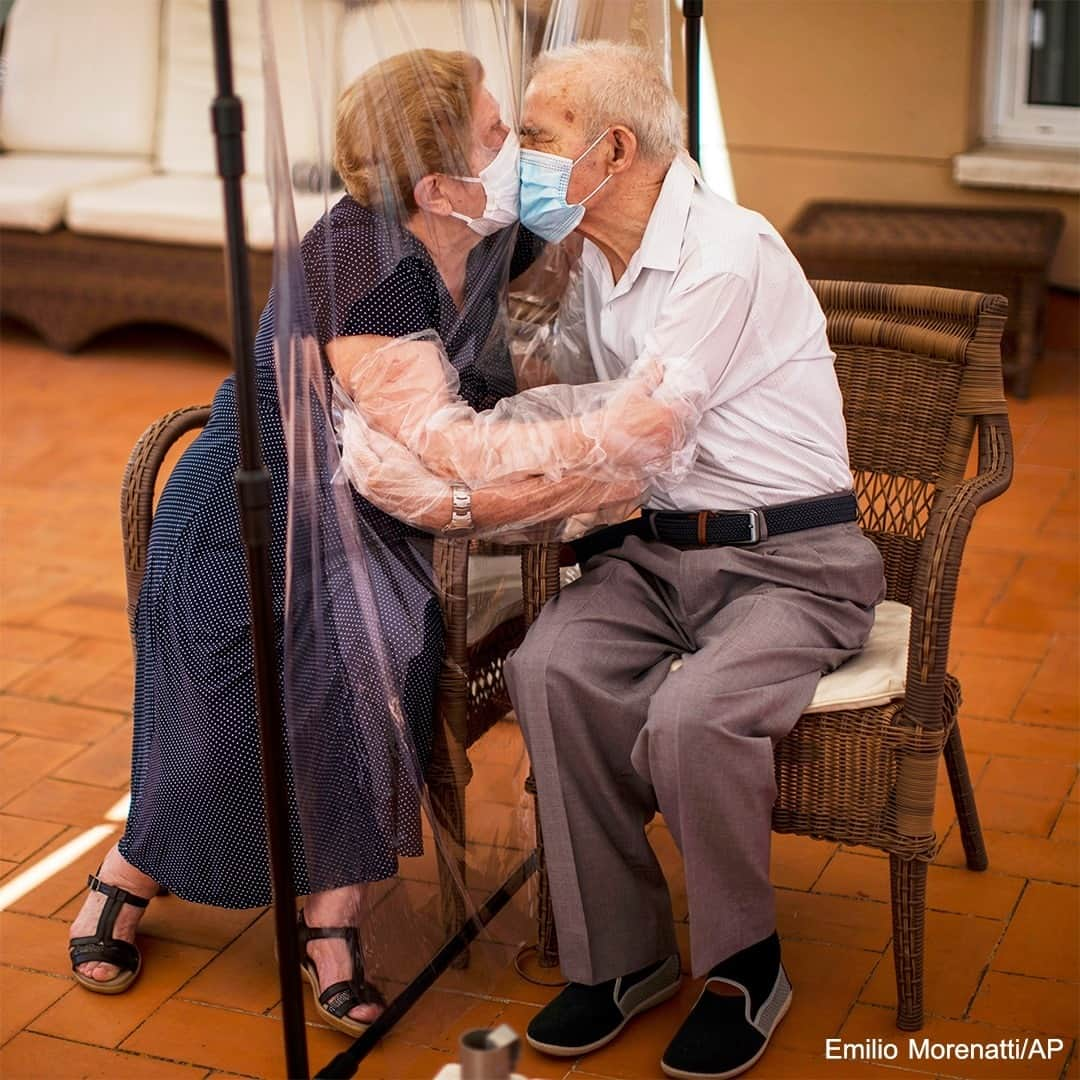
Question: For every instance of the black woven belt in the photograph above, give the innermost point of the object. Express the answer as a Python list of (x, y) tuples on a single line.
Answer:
[(708, 528), (705, 528)]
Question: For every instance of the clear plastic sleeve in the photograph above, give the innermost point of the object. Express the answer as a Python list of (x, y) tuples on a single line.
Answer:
[(407, 434)]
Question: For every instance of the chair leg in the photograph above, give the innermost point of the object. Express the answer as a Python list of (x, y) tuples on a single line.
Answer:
[(967, 813), (908, 885), (449, 811), (547, 945)]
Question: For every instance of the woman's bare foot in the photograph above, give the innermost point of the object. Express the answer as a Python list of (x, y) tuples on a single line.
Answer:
[(332, 957), (115, 870)]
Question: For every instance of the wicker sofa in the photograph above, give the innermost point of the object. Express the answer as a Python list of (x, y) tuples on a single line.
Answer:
[(110, 206)]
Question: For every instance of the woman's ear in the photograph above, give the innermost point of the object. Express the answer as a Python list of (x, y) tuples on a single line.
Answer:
[(430, 196), (625, 148)]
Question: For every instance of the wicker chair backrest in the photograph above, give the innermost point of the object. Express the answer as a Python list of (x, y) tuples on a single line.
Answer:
[(137, 491), (917, 366)]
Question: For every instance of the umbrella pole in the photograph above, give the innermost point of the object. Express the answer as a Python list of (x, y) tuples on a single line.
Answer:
[(693, 12), (253, 491)]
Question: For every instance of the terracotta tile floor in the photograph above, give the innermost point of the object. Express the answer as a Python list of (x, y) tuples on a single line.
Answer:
[(1002, 946)]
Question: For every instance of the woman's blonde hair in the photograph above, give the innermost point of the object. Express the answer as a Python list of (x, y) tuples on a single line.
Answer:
[(405, 118)]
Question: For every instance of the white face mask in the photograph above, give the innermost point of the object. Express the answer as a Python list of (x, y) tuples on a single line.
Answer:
[(501, 185)]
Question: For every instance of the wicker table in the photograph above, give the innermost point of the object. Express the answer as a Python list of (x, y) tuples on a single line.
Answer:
[(981, 248)]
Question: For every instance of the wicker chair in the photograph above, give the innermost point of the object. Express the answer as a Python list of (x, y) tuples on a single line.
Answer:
[(920, 370), (472, 695)]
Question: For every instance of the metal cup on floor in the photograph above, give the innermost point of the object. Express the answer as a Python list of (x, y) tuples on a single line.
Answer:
[(489, 1053)]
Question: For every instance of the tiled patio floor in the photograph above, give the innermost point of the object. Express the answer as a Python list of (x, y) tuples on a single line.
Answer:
[(1002, 946)]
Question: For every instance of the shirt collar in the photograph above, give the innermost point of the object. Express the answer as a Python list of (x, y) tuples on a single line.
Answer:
[(662, 243)]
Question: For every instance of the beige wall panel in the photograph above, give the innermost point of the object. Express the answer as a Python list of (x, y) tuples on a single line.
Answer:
[(779, 184), (860, 76)]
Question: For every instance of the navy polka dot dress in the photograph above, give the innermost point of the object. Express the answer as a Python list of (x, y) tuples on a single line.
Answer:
[(197, 823)]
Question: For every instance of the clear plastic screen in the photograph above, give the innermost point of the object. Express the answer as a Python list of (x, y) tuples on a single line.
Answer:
[(397, 360)]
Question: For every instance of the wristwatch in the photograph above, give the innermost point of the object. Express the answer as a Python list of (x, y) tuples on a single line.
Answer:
[(461, 510)]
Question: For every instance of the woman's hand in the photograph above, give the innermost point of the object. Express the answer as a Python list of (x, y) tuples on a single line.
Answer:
[(655, 415), (639, 429)]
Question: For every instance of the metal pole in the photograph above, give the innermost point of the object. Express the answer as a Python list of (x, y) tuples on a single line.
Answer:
[(253, 491), (693, 12)]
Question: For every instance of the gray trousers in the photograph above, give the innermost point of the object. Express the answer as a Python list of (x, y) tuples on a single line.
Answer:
[(614, 735)]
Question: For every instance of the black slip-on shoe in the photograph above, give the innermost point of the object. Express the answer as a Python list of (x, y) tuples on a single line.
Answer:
[(584, 1018), (724, 1036)]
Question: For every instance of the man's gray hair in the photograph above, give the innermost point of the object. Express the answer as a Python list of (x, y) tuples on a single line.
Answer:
[(616, 83)]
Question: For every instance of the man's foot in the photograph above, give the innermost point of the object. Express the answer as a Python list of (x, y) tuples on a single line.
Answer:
[(724, 1034), (119, 873), (337, 960), (584, 1018)]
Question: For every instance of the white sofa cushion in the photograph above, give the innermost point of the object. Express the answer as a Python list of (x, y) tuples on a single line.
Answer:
[(81, 77), (182, 210), (167, 209), (260, 217), (374, 31), (34, 187), (876, 676), (185, 143)]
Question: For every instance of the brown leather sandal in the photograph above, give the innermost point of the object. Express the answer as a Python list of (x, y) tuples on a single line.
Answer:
[(102, 947), (337, 1000)]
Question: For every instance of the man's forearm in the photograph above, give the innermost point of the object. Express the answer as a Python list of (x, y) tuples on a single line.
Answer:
[(528, 502)]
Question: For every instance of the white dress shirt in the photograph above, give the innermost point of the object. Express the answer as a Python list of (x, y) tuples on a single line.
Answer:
[(716, 284)]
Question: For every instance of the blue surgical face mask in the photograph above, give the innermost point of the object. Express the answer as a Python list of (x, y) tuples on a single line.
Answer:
[(544, 181)]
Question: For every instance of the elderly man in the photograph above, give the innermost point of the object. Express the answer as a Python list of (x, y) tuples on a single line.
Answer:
[(751, 572)]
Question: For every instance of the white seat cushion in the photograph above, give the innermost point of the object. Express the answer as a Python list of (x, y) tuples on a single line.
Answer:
[(166, 209), (495, 592), (34, 188), (876, 676), (81, 77)]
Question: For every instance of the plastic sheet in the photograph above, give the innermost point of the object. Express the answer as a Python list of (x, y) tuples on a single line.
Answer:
[(395, 245), (407, 434)]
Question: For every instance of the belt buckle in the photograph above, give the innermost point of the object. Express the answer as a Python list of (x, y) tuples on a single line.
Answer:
[(759, 529)]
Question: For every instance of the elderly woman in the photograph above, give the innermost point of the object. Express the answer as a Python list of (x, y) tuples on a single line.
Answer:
[(431, 187)]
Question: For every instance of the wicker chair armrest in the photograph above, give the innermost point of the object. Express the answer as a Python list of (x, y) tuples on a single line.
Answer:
[(495, 547), (450, 561), (936, 576), (540, 580)]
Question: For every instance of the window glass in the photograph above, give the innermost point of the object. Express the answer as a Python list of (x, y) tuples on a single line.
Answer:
[(1054, 53)]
